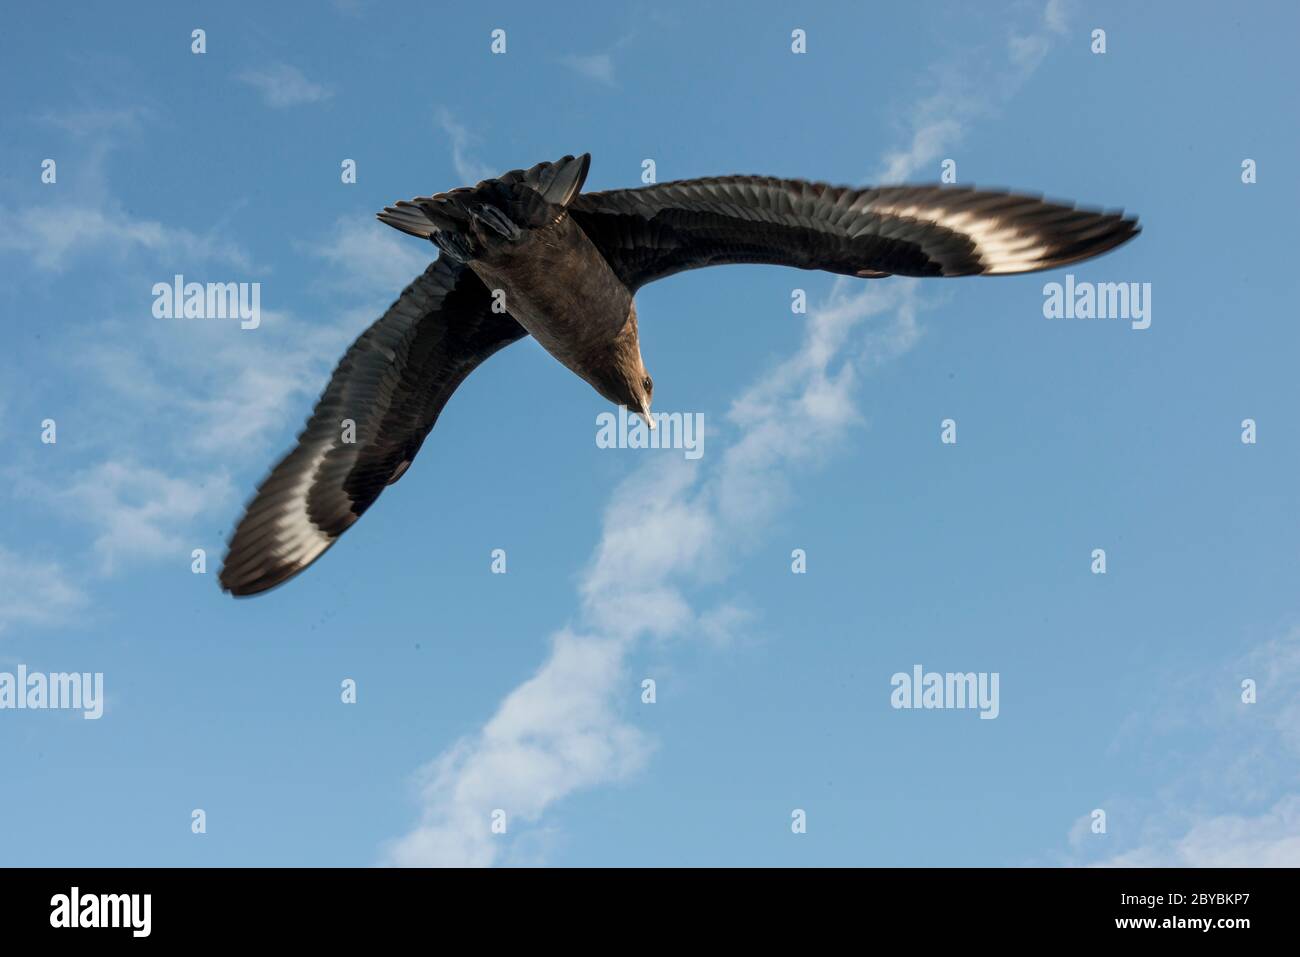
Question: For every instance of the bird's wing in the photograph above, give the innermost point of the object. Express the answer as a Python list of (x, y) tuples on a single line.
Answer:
[(392, 383), (655, 231)]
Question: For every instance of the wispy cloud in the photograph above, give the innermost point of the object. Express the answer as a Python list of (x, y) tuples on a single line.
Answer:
[(1269, 839), (594, 66), (35, 592), (555, 733), (598, 66), (286, 364), (52, 235), (138, 511), (668, 525), (246, 391), (224, 391), (283, 86), (938, 123), (96, 122), (1056, 16), (371, 259), (1230, 793), (86, 219), (467, 167)]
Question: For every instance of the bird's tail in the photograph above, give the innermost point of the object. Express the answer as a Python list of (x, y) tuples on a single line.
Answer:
[(558, 182), (462, 221)]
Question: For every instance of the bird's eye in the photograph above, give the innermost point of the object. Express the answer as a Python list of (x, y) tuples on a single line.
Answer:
[(648, 384)]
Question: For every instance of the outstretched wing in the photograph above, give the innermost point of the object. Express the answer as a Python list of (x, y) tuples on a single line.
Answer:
[(392, 384), (655, 231)]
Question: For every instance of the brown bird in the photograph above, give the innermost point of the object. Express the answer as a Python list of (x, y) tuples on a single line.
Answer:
[(530, 253)]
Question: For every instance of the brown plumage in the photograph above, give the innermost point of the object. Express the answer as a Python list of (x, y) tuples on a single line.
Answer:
[(529, 253)]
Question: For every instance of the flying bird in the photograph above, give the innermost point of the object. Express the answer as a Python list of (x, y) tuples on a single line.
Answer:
[(529, 253)]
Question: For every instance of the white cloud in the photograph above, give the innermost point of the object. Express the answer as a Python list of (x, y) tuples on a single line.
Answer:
[(939, 122), (87, 220), (1275, 668), (557, 732), (246, 386), (594, 66), (226, 391), (51, 235), (98, 122), (468, 168), (220, 391), (249, 387), (1229, 783), (283, 86), (1056, 16), (223, 391), (372, 259), (138, 511), (34, 592), (670, 523), (1270, 839)]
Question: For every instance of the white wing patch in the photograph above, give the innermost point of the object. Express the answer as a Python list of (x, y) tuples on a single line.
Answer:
[(1001, 246), (301, 541)]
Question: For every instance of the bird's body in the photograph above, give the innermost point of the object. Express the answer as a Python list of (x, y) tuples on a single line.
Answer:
[(529, 253), (559, 287)]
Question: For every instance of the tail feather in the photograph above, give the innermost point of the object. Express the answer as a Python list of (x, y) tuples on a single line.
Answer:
[(409, 218), (497, 207), (558, 182)]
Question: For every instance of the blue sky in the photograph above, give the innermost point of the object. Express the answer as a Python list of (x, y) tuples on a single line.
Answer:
[(522, 692)]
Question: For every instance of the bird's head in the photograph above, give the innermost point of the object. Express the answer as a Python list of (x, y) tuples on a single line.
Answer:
[(631, 386), (647, 388), (625, 380)]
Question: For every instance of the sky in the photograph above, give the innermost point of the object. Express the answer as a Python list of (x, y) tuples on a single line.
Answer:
[(826, 541)]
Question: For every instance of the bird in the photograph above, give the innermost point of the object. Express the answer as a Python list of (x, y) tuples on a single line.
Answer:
[(530, 253)]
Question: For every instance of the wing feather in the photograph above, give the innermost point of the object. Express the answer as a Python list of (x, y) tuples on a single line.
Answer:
[(655, 231), (392, 384)]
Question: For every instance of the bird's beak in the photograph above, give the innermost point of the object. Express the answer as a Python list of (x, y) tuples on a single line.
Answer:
[(646, 417)]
